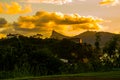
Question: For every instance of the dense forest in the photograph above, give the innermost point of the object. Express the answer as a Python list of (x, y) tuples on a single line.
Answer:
[(22, 56)]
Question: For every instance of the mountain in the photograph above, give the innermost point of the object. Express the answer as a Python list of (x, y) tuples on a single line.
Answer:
[(57, 35), (90, 36), (87, 37)]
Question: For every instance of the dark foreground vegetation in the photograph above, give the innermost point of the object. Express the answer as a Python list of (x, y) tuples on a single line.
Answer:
[(111, 75), (22, 56), (74, 78)]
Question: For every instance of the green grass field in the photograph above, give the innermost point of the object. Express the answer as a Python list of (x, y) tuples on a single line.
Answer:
[(102, 75)]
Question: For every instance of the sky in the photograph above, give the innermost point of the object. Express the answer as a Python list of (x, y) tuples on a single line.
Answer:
[(68, 17)]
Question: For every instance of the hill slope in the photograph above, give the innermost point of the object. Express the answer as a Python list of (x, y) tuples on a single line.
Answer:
[(87, 37), (57, 35)]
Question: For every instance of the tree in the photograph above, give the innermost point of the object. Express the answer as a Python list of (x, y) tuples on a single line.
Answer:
[(97, 43), (37, 36), (44, 63), (112, 46)]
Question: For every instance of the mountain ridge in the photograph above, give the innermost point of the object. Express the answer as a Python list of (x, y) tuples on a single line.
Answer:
[(57, 35), (87, 36)]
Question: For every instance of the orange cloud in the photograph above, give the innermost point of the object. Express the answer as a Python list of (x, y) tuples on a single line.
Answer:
[(112, 2), (2, 36), (44, 22), (5, 28), (1, 9), (25, 25), (14, 8)]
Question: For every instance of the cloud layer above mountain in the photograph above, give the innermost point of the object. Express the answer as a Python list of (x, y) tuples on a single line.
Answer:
[(44, 21)]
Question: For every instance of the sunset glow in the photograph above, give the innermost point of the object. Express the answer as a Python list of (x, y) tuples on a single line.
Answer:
[(69, 17)]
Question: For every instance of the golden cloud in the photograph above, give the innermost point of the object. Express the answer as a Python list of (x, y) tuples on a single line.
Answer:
[(112, 2), (14, 8), (2, 36), (1, 9), (5, 28), (44, 22)]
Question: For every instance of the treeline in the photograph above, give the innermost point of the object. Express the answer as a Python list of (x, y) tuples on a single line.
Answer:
[(22, 56)]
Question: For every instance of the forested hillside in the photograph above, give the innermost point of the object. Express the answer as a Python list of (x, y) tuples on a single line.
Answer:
[(33, 56)]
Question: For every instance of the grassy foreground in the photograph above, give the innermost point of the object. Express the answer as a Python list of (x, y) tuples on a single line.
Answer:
[(112, 75)]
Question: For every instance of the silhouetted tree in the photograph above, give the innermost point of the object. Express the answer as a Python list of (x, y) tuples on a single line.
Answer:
[(97, 43), (112, 45)]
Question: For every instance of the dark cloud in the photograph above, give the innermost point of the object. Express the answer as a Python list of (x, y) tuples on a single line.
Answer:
[(3, 22)]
